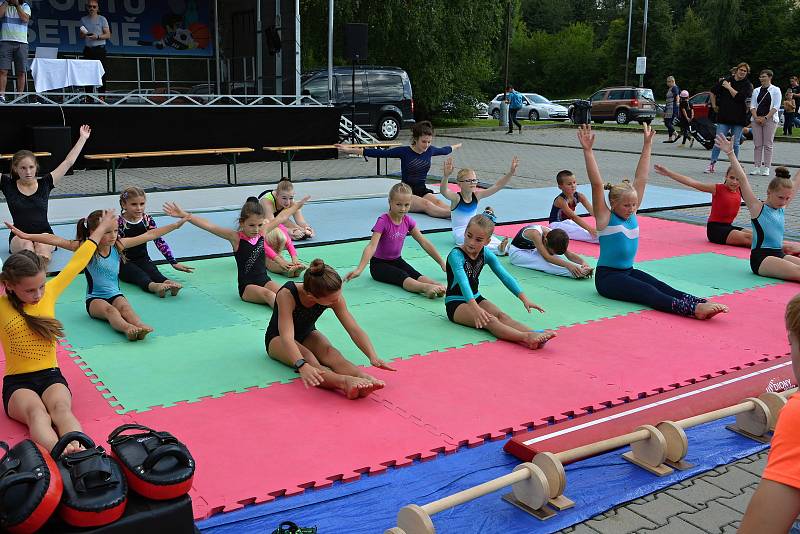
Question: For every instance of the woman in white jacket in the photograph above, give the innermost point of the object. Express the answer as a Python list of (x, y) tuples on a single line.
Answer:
[(764, 107)]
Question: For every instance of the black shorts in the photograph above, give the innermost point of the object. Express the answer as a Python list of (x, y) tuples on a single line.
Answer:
[(393, 271), (141, 272), (717, 232), (110, 300), (269, 335), (758, 255), (420, 190), (451, 306), (259, 282), (37, 381)]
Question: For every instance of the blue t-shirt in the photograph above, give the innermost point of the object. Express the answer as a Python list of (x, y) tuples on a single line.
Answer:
[(768, 228), (413, 167), (619, 242), (514, 99)]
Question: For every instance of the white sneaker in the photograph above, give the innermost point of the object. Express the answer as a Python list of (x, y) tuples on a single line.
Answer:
[(756, 171), (765, 171)]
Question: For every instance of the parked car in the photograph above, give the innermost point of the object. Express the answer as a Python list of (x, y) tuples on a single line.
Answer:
[(535, 107), (480, 109), (623, 104), (383, 97), (701, 104)]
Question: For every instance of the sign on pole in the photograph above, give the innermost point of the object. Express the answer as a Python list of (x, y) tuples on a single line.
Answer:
[(641, 65)]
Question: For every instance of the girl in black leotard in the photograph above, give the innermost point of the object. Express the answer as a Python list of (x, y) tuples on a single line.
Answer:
[(247, 242), (27, 195), (292, 337)]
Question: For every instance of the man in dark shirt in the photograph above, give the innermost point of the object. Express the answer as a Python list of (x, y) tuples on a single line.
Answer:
[(794, 85), (729, 100)]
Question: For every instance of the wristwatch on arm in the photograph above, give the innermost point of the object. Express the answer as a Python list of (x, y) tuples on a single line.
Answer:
[(298, 364)]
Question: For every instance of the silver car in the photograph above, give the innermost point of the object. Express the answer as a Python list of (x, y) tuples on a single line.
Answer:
[(535, 107)]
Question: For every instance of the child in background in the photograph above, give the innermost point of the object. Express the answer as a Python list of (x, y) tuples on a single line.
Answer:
[(465, 305), (247, 242), (562, 214), (464, 204), (775, 505), (27, 196), (35, 393), (275, 201), (789, 112), (685, 117), (104, 299), (276, 241), (383, 252), (139, 269), (293, 339), (545, 249)]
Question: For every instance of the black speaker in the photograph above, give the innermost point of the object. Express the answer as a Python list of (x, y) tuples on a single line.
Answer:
[(54, 139), (355, 41), (274, 44)]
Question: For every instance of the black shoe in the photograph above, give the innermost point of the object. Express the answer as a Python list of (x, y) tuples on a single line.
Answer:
[(509, 132), (520, 128)]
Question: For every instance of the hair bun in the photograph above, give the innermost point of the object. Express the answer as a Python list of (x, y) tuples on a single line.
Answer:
[(317, 267), (252, 199), (608, 186)]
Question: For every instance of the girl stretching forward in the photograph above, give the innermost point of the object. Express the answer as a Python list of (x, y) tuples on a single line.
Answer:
[(415, 162), (618, 230), (104, 299), (293, 339), (35, 393), (27, 195), (275, 201), (465, 305), (384, 249), (247, 242), (139, 269), (464, 204), (277, 240)]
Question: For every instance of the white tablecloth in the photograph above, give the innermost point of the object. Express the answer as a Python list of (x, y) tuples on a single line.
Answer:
[(49, 74)]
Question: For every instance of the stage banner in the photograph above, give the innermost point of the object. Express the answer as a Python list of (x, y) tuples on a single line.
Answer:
[(138, 27)]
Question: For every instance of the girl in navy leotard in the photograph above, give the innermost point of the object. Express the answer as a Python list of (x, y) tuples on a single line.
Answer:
[(618, 230), (463, 302), (293, 339), (247, 242), (415, 162)]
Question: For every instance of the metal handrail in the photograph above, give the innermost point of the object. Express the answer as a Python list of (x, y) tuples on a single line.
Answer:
[(163, 99)]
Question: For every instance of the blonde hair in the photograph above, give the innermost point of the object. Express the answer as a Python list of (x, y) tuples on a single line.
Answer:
[(129, 194), (617, 191), (284, 185), (463, 173), (781, 180), (399, 189), (793, 316), (276, 239), (482, 221)]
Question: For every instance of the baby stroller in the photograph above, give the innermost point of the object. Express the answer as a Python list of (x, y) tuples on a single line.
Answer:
[(703, 131)]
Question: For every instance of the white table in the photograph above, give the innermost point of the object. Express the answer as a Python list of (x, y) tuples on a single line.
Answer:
[(49, 74)]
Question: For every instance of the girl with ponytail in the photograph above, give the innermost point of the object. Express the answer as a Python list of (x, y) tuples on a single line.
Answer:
[(247, 242), (293, 339), (35, 392)]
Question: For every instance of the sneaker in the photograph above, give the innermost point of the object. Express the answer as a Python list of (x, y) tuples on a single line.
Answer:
[(756, 171), (765, 171), (691, 142), (509, 132), (2, 99), (710, 169)]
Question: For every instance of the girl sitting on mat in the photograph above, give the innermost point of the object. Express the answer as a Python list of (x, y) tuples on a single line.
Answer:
[(27, 195), (35, 393), (274, 201), (726, 199), (139, 269), (415, 162), (545, 249), (247, 242), (276, 241), (767, 218), (464, 204), (104, 299), (618, 230), (293, 339), (465, 305), (383, 252)]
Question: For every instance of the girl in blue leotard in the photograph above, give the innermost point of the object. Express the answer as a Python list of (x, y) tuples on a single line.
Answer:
[(464, 303), (618, 231), (415, 162)]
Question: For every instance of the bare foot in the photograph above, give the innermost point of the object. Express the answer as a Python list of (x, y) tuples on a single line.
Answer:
[(161, 290), (174, 287), (707, 310), (537, 340), (73, 446), (143, 331), (503, 248), (133, 333), (431, 292), (355, 387)]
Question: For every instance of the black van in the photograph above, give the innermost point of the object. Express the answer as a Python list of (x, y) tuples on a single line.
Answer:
[(382, 94)]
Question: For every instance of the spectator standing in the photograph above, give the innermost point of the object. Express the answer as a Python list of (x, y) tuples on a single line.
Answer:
[(764, 106), (514, 105), (794, 85), (671, 109), (14, 17), (97, 31), (729, 101), (789, 112)]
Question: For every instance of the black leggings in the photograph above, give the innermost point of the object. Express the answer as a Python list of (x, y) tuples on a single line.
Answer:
[(512, 119), (141, 272), (633, 285), (393, 271)]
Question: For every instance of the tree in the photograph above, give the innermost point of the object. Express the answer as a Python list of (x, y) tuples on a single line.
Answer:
[(689, 62)]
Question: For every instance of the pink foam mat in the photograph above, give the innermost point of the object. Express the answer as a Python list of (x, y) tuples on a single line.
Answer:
[(254, 446)]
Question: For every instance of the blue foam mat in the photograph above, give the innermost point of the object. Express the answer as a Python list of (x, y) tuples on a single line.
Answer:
[(353, 219), (371, 504)]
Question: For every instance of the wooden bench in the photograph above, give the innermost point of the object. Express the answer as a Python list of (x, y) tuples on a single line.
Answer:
[(37, 154), (290, 151), (114, 161)]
